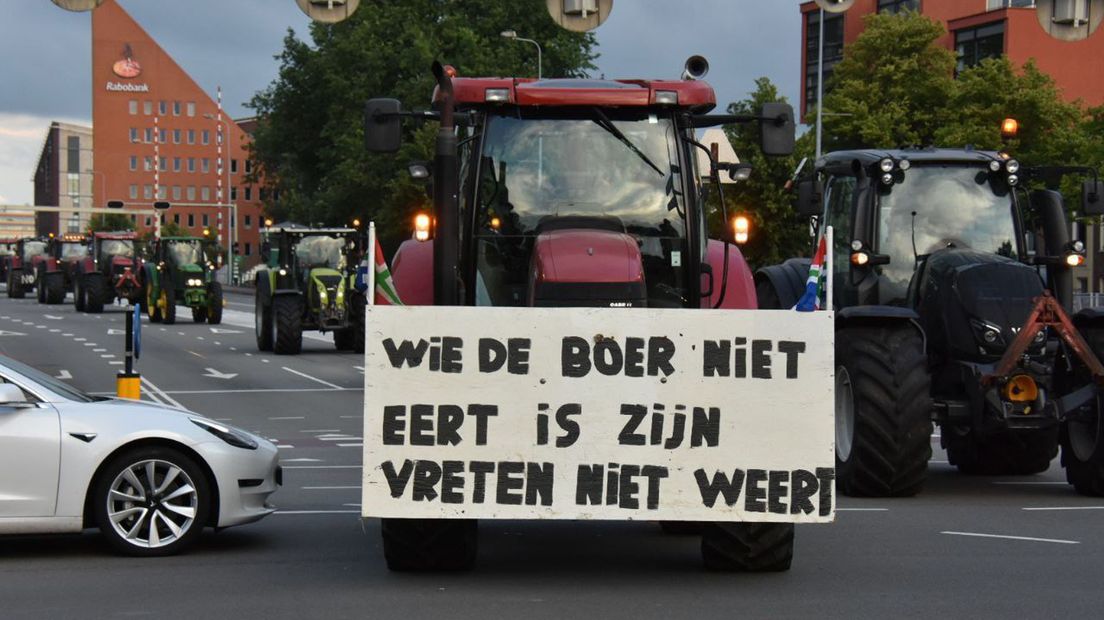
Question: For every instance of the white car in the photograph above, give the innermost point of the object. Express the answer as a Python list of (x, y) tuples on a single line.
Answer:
[(149, 477)]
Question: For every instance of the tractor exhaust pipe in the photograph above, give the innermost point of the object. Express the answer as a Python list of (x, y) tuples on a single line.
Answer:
[(696, 68), (446, 244)]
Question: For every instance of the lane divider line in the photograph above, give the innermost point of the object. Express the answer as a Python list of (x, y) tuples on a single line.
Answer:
[(315, 379), (1038, 508), (1005, 537)]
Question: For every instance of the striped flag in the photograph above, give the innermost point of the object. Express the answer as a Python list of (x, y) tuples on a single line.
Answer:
[(386, 293), (810, 301)]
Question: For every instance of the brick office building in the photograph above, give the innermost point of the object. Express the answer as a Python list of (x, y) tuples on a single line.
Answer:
[(158, 138), (64, 178)]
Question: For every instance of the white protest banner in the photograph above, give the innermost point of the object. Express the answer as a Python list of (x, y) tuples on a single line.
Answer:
[(598, 413)]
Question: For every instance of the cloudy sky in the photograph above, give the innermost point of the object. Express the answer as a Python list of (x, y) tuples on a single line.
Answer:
[(46, 52)]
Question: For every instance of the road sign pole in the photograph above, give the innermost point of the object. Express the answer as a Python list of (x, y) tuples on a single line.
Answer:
[(128, 383)]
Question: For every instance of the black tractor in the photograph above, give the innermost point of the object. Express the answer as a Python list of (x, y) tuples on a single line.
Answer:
[(952, 309), (309, 285)]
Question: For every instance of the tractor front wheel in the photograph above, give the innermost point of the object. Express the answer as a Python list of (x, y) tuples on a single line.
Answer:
[(262, 315), (359, 306), (214, 303), (430, 544), (15, 284), (1082, 434), (79, 294), (287, 311), (95, 291), (40, 285), (747, 547), (883, 411), (152, 309)]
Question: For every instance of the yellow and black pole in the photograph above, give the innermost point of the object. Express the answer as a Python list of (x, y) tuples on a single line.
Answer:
[(128, 383)]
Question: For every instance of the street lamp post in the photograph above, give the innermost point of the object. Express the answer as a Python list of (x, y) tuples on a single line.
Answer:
[(231, 208), (512, 35)]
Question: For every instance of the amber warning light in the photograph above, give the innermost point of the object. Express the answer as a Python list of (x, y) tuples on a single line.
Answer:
[(421, 227), (1009, 128)]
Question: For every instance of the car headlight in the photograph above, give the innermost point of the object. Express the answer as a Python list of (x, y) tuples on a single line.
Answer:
[(229, 434)]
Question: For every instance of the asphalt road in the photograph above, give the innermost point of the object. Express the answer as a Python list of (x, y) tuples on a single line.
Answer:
[(968, 546)]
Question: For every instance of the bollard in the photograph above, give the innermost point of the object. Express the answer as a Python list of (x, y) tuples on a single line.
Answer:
[(128, 383)]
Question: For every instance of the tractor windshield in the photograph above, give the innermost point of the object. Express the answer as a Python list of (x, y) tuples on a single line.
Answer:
[(936, 207), (117, 247), (7, 249), (73, 250), (321, 252), (185, 252), (33, 248), (620, 167)]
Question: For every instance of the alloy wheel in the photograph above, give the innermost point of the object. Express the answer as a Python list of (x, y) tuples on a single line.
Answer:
[(152, 503)]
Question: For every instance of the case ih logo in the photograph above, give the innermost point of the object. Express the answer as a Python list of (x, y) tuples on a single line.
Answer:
[(127, 67)]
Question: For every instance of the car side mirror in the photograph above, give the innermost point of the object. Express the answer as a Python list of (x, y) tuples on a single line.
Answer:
[(1092, 198), (776, 129), (382, 126), (809, 194), (11, 395)]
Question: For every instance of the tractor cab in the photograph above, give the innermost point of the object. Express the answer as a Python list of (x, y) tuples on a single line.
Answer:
[(31, 248), (181, 270), (68, 247)]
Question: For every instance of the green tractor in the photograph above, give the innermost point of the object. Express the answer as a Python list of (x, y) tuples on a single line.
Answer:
[(309, 284), (182, 270)]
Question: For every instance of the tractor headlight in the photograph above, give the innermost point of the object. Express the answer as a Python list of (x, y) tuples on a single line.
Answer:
[(886, 165), (229, 434), (987, 333), (1012, 166), (283, 272), (323, 296)]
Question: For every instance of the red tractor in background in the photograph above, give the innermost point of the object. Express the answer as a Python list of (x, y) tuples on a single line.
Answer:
[(53, 272), (111, 270), (19, 266), (573, 192)]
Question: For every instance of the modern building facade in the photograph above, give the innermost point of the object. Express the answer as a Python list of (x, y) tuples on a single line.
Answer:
[(159, 137), (64, 178), (977, 29)]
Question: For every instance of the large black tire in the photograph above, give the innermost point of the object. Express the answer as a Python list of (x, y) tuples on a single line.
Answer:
[(1082, 436), (214, 303), (55, 288), (1010, 454), (681, 528), (40, 285), (199, 314), (80, 296), (8, 283), (287, 314), (168, 313), (262, 314), (95, 292), (883, 446), (152, 310), (104, 503), (430, 544), (358, 306), (747, 547), (343, 339), (15, 284)]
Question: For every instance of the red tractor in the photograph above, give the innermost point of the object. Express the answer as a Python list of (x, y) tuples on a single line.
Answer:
[(573, 192), (7, 248), (53, 273), (110, 271), (19, 266)]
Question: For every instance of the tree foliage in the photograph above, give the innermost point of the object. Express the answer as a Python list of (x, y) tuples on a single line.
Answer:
[(309, 144), (109, 222)]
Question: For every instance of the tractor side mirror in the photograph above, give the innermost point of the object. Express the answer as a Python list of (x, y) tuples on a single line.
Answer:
[(776, 129), (382, 126), (1092, 198), (809, 194)]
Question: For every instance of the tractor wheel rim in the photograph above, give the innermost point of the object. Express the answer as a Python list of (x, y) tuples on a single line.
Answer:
[(845, 414), (152, 504), (1084, 436)]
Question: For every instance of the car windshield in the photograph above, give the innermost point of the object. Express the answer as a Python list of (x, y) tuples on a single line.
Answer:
[(33, 248), (73, 250), (937, 207), (321, 251), (117, 247), (185, 252), (616, 170), (52, 384)]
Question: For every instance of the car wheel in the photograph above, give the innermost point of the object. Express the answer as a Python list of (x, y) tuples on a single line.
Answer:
[(151, 502)]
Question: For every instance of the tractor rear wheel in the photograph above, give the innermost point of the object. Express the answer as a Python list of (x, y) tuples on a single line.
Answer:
[(287, 311), (1082, 434), (152, 310), (40, 285), (430, 544), (54, 283), (359, 305), (747, 547), (262, 315), (166, 301), (883, 411), (214, 303), (1007, 453), (80, 296), (95, 291), (15, 284)]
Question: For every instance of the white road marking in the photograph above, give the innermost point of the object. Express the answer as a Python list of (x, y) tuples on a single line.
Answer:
[(317, 512), (322, 467), (162, 395), (79, 339), (352, 505), (285, 447), (107, 356), (92, 344), (55, 331), (98, 350), (162, 329), (862, 509), (289, 418), (1028, 483), (263, 391), (233, 348), (40, 327), (327, 488), (264, 360), (1001, 536), (218, 344), (214, 374), (52, 317), (219, 330), (322, 430), (940, 462), (67, 335), (350, 445), (200, 338), (249, 355), (351, 417), (179, 333), (116, 363), (1034, 508), (115, 332), (63, 374), (316, 379), (7, 333)]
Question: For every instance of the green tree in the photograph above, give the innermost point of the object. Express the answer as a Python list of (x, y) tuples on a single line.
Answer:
[(892, 86), (309, 144), (109, 222), (777, 233)]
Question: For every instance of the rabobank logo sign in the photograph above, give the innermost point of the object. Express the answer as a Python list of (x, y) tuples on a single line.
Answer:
[(123, 87), (127, 68)]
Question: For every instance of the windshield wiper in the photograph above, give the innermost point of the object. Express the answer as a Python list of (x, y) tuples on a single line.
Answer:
[(604, 122)]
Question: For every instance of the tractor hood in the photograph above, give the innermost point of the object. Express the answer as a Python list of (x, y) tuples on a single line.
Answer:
[(972, 304), (190, 268), (586, 267)]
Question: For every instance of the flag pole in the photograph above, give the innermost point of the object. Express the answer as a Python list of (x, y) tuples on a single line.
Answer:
[(828, 260), (371, 292)]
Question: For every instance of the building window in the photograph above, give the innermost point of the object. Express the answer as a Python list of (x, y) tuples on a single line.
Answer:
[(147, 192), (191, 136), (176, 164), (73, 183), (833, 51), (206, 220), (162, 219), (147, 107), (164, 164), (134, 192), (162, 192), (205, 136), (233, 193), (233, 224), (132, 106), (993, 5), (176, 218), (163, 108), (149, 221), (176, 108), (248, 166), (191, 220), (149, 135), (134, 134), (233, 166), (176, 192), (248, 221), (191, 193), (163, 136), (147, 163), (133, 219), (976, 44), (206, 193), (896, 6), (176, 136), (249, 193), (133, 163), (191, 108), (191, 164), (248, 249), (205, 165)]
